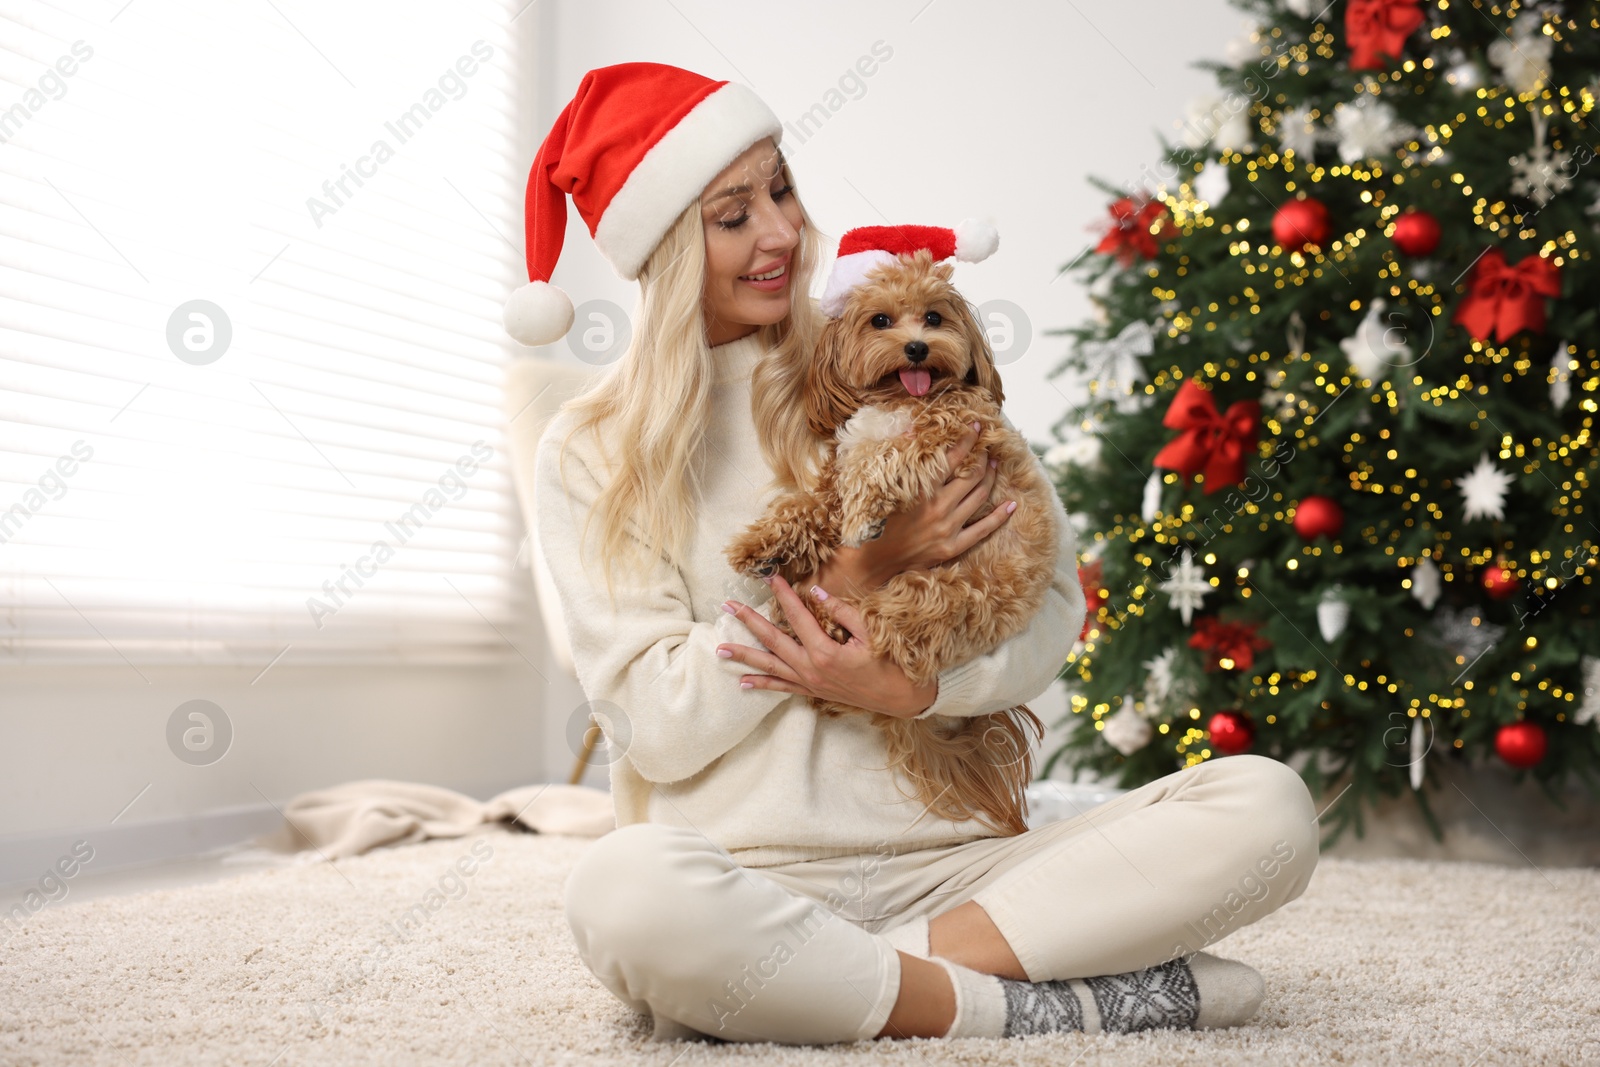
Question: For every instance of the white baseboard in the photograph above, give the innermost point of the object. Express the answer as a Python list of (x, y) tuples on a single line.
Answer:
[(26, 857)]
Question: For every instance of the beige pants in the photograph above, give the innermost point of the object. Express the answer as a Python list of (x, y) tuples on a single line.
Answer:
[(675, 928)]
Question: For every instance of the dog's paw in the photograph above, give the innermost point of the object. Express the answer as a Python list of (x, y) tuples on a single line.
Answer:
[(858, 535), (763, 568)]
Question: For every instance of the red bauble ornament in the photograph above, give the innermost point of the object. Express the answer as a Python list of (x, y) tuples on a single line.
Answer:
[(1416, 233), (1520, 744), (1318, 516), (1499, 581), (1231, 732), (1093, 595), (1301, 222)]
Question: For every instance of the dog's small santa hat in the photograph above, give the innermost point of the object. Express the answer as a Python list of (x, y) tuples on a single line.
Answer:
[(865, 248), (636, 145)]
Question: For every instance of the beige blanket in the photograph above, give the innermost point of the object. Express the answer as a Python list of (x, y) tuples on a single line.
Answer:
[(345, 820)]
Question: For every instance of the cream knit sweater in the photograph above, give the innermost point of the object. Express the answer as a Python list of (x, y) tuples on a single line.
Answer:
[(755, 770)]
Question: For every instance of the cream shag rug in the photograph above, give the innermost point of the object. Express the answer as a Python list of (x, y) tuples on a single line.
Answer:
[(1389, 961)]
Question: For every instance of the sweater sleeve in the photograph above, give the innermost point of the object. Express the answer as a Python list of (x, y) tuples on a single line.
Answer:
[(677, 705), (1022, 666)]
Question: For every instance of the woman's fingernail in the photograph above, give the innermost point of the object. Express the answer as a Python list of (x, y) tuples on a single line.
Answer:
[(727, 605), (767, 578), (724, 653), (976, 428), (819, 592), (1011, 507), (747, 685), (994, 463)]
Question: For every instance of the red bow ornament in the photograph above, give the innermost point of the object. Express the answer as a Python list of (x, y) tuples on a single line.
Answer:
[(1377, 29), (1235, 642), (1216, 445), (1135, 226), (1501, 300)]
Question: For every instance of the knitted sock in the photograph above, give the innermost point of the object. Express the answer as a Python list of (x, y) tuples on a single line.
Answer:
[(911, 937), (1201, 993)]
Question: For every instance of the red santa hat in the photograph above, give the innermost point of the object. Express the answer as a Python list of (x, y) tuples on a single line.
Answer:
[(636, 145), (864, 249)]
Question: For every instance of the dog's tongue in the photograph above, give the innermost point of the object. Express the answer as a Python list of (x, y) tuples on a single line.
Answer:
[(916, 380)]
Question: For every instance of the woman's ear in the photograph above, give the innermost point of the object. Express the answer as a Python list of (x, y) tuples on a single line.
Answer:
[(829, 401), (983, 372)]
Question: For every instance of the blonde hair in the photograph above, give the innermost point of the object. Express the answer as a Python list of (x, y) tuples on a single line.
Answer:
[(656, 401)]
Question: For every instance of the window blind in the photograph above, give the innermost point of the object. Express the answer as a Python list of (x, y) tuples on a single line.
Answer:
[(252, 258)]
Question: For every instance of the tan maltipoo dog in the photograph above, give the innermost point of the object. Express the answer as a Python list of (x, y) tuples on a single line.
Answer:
[(897, 378)]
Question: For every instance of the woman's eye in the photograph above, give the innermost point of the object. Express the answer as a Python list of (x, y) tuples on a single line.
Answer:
[(734, 224), (781, 193), (933, 318), (880, 321)]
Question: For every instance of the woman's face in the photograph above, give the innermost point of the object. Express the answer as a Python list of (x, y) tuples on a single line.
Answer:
[(752, 223)]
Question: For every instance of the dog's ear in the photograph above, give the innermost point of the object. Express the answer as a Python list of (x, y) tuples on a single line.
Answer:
[(983, 371), (829, 401)]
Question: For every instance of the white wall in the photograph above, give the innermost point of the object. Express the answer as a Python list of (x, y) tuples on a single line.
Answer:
[(997, 110)]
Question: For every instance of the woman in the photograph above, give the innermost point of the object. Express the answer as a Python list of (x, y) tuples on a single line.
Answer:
[(768, 880)]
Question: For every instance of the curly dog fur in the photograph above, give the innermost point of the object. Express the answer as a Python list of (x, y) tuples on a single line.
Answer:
[(888, 451)]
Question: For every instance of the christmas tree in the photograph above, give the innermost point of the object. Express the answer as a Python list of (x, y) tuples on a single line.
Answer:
[(1335, 472)]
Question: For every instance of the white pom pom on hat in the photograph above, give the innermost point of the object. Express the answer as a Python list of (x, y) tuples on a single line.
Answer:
[(537, 314), (865, 248), (637, 144)]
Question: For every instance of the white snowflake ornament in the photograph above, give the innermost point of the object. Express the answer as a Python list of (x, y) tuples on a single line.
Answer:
[(1297, 132), (1368, 129), (1127, 731), (1115, 366), (1082, 451), (1426, 583), (1540, 173), (1524, 58), (1484, 490), (1158, 677), (1375, 347), (1212, 119), (1187, 587)]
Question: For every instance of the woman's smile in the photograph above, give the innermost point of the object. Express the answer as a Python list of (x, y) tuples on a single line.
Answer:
[(770, 279)]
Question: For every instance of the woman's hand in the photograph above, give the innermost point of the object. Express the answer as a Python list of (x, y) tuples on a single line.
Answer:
[(818, 666), (934, 529)]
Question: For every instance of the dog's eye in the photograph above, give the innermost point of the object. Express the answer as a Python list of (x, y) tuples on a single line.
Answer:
[(880, 321), (933, 318)]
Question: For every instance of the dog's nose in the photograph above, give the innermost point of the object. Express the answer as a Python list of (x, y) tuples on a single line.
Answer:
[(916, 351)]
